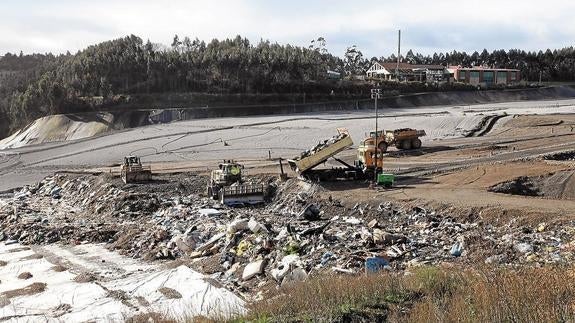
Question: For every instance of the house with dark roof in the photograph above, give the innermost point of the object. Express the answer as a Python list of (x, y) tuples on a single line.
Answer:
[(408, 72)]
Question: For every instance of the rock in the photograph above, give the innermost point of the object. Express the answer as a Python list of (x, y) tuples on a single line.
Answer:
[(255, 226), (253, 269), (279, 273), (184, 243), (295, 275), (209, 212), (372, 224), (375, 264), (237, 225), (351, 220), (284, 267), (382, 237), (523, 247)]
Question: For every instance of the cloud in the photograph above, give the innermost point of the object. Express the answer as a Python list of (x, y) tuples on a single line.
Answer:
[(428, 26)]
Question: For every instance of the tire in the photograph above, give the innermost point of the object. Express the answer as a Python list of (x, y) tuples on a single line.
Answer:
[(416, 143), (406, 145), (382, 146)]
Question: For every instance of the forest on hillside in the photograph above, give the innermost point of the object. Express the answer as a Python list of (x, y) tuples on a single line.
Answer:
[(36, 85)]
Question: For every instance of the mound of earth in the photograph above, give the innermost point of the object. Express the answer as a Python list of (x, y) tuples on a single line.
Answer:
[(558, 185), (519, 186), (564, 155), (65, 127)]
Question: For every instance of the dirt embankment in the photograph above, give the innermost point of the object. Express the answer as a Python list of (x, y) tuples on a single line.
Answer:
[(73, 126), (478, 97)]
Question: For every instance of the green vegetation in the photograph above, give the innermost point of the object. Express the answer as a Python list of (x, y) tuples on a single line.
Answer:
[(38, 85), (117, 71), (427, 294)]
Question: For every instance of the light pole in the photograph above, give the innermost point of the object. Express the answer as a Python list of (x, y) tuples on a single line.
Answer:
[(376, 94)]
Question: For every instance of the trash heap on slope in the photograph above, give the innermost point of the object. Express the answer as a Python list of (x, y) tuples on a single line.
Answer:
[(296, 235)]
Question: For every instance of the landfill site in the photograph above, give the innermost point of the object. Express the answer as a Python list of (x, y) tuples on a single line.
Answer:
[(204, 217)]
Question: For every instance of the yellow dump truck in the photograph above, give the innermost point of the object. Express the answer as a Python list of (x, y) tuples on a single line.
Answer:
[(363, 167), (404, 139)]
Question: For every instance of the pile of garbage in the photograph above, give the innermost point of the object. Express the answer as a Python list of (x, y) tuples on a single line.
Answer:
[(296, 235), (522, 185), (322, 145)]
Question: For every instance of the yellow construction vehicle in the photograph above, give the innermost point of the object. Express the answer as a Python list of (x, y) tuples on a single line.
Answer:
[(364, 166), (366, 156), (132, 170), (228, 173), (404, 139), (228, 187)]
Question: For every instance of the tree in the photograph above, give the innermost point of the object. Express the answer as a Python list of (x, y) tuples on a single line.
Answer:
[(354, 62), (318, 45), (176, 42)]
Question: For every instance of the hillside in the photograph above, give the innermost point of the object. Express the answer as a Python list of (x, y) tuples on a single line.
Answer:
[(116, 73)]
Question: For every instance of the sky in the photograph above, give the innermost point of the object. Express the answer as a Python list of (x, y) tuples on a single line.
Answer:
[(40, 26)]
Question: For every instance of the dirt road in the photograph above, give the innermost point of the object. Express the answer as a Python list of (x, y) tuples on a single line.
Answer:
[(203, 142)]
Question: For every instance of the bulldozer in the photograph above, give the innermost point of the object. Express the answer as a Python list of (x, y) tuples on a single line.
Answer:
[(229, 173), (227, 185), (132, 170), (404, 139)]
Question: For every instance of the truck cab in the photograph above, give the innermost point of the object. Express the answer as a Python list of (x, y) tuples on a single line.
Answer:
[(366, 154)]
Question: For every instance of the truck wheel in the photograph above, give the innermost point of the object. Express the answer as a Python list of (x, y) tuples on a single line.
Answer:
[(406, 145), (382, 146), (416, 143)]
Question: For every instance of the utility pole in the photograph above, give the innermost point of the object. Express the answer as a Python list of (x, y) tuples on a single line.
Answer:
[(376, 94), (398, 54)]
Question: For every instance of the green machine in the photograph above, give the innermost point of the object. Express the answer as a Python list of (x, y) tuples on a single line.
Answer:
[(385, 180)]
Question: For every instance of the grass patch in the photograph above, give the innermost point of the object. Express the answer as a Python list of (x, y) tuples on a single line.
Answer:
[(30, 257), (32, 289), (149, 317), (427, 294), (59, 268), (25, 275), (18, 249), (170, 293), (84, 278)]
